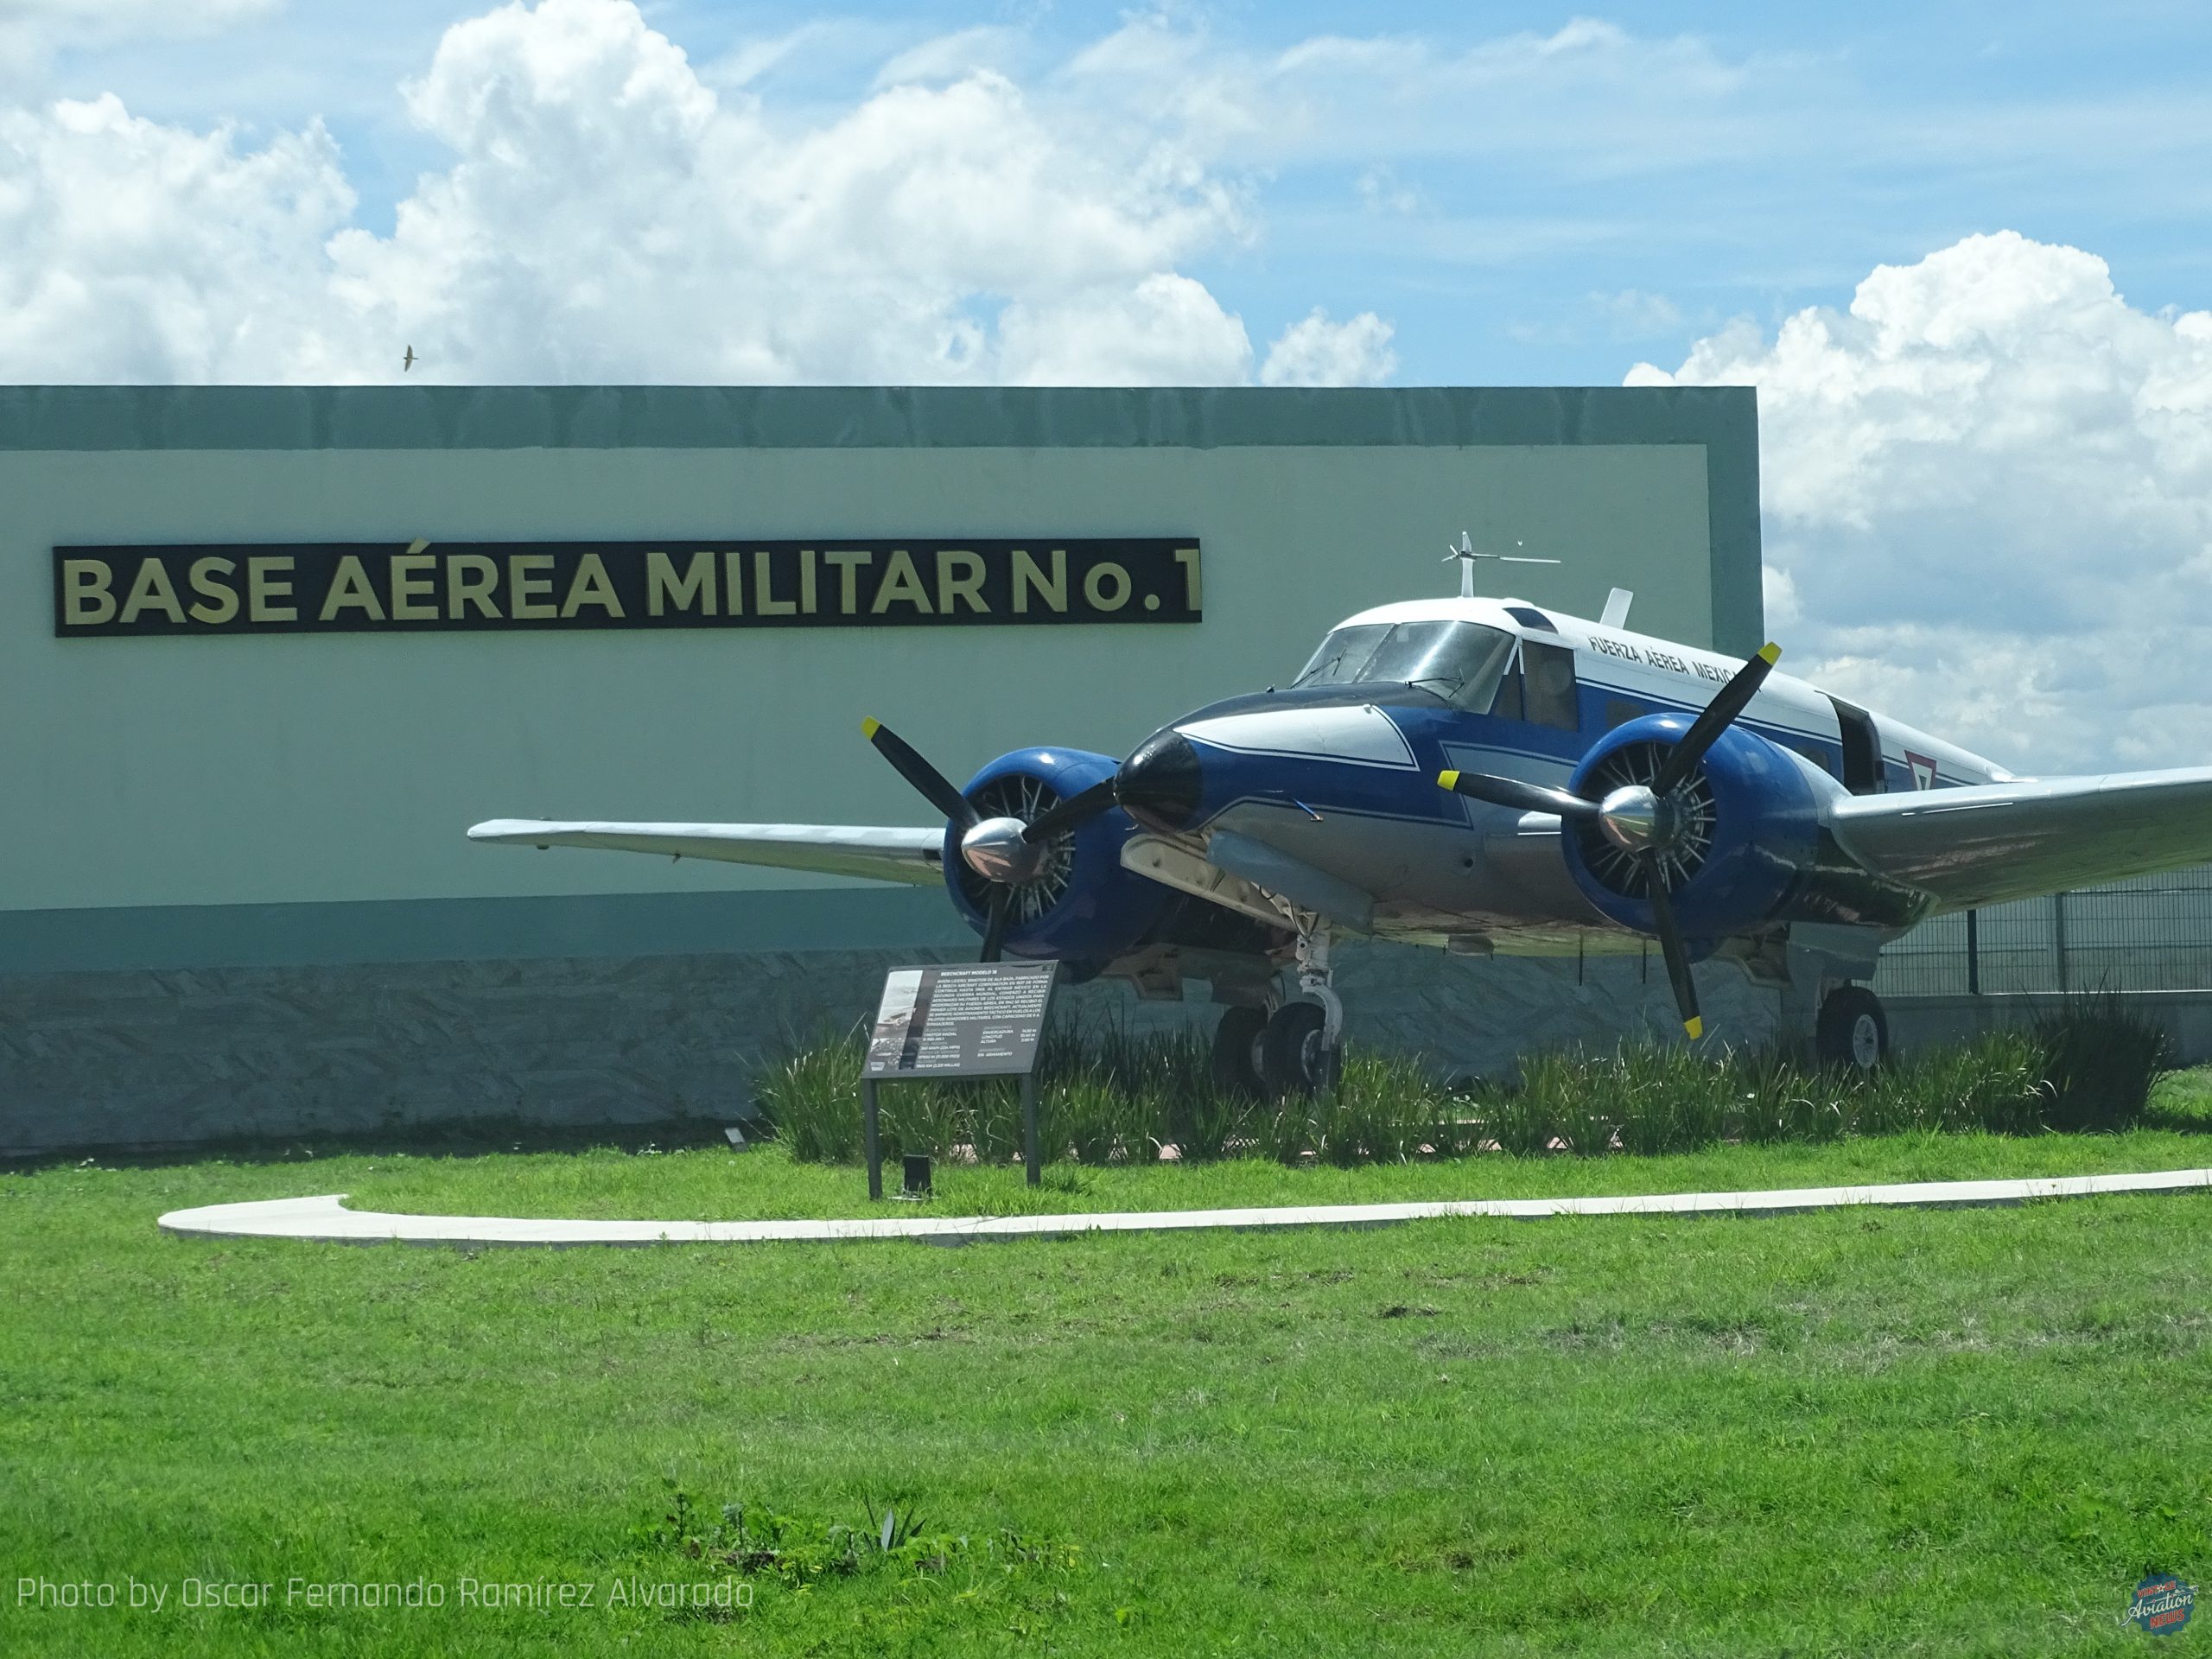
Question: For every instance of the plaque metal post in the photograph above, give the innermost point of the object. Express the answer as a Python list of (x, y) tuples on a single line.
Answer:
[(1030, 1157), (874, 1147)]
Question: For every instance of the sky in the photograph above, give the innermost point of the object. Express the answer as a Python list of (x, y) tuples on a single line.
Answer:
[(1959, 249)]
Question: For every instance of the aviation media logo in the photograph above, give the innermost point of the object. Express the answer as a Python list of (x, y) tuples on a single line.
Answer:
[(2161, 1605)]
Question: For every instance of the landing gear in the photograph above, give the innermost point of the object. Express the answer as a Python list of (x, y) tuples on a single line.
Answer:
[(1302, 1047), (1238, 1051), (1851, 1031), (1292, 1058)]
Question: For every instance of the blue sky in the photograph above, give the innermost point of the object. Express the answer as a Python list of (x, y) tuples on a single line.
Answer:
[(1557, 236), (1958, 250)]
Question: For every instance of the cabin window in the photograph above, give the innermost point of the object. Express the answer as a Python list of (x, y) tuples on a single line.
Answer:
[(1620, 710), (1459, 661), (1549, 671)]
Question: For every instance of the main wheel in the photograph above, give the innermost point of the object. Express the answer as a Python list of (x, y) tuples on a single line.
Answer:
[(1238, 1041), (1292, 1059), (1852, 1031)]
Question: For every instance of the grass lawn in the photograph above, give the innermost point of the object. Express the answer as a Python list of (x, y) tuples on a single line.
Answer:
[(1911, 1431)]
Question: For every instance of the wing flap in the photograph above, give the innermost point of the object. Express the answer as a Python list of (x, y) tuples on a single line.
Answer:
[(1991, 842), (870, 852)]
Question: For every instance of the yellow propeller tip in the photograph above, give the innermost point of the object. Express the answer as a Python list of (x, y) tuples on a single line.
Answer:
[(870, 727), (1696, 1027), (1447, 781), (1769, 653)]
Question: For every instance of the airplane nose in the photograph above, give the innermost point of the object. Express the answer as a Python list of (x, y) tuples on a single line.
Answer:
[(1159, 785)]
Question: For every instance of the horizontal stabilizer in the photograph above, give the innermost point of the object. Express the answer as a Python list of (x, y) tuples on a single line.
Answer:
[(868, 851)]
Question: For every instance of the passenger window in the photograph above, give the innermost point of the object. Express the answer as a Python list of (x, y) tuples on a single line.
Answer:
[(1549, 671), (1619, 711)]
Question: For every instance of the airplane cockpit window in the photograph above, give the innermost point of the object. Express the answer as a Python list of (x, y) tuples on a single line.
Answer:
[(1459, 661)]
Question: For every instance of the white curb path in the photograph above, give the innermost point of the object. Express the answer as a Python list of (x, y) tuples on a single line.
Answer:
[(325, 1218)]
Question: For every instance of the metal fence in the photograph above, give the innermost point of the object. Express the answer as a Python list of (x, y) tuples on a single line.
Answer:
[(2153, 933)]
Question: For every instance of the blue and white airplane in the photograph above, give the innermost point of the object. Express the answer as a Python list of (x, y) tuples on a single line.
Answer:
[(1480, 775)]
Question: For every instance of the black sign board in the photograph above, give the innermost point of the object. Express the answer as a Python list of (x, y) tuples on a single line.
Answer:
[(708, 582), (969, 1019), (976, 1019)]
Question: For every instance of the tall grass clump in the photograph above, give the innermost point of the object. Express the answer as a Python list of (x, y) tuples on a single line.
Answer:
[(2101, 1060), (812, 1097), (1111, 1095)]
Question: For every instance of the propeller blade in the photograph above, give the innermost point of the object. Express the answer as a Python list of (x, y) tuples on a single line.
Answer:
[(1719, 715), (1076, 809), (909, 764), (1511, 792), (1671, 947), (994, 930)]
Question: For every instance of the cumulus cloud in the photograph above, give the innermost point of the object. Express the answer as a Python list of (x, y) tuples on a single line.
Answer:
[(608, 213), (1988, 493), (1316, 352)]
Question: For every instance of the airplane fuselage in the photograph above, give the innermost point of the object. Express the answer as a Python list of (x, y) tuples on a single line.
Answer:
[(1337, 771)]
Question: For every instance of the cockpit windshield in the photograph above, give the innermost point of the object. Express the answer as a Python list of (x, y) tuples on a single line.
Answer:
[(1461, 662)]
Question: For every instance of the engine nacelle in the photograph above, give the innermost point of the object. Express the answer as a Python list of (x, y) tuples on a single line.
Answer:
[(1752, 832), (1083, 907)]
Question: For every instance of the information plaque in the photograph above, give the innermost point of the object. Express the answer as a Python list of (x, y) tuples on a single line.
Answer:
[(966, 1019), (976, 1019)]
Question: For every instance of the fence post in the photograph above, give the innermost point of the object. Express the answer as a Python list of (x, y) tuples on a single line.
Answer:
[(2058, 935), (1973, 953)]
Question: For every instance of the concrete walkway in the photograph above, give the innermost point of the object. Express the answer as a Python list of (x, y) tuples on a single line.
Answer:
[(327, 1218)]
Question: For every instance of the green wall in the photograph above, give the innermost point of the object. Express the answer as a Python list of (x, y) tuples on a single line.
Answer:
[(316, 769)]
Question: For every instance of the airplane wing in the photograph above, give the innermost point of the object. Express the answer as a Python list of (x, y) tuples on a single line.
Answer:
[(873, 853), (1989, 842)]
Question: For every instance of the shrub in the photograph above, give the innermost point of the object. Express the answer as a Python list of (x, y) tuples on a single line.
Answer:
[(2101, 1060), (1110, 1095), (813, 1098)]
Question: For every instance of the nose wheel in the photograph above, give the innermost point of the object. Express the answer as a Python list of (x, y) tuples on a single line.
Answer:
[(1851, 1031), (1295, 1058)]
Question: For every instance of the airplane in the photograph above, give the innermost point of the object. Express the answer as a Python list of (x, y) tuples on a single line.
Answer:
[(1485, 775)]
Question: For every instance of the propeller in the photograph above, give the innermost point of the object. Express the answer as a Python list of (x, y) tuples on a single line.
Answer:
[(1004, 851), (1641, 819)]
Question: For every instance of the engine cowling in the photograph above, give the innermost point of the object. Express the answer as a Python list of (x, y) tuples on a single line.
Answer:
[(1082, 905), (1750, 832)]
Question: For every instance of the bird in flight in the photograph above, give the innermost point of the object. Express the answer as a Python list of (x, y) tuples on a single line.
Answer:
[(407, 362)]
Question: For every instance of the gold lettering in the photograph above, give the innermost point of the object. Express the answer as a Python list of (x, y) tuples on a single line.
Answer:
[(1028, 573), (733, 584), (268, 581), (1093, 586), (696, 586), (152, 590), (1188, 558), (950, 586), (87, 592), (590, 586), (461, 593), (900, 581), (806, 580), (848, 562), (350, 590), (414, 589), (525, 590), (204, 583), (765, 602)]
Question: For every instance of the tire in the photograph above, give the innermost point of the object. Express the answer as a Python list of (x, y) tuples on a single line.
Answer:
[(1237, 1045), (1293, 1063), (1852, 1032)]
